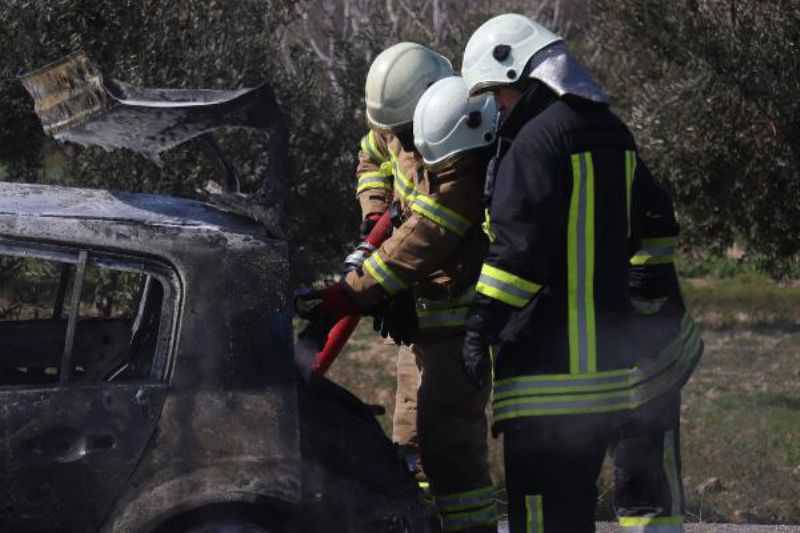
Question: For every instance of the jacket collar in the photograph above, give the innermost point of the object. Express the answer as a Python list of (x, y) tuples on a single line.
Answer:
[(536, 98)]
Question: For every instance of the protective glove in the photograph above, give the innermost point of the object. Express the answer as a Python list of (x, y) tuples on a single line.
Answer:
[(397, 318), (475, 359), (328, 304), (483, 324)]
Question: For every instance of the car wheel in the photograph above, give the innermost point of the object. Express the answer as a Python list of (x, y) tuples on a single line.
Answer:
[(228, 526), (226, 518)]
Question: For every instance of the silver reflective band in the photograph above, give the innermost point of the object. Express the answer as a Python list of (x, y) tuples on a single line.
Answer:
[(505, 287)]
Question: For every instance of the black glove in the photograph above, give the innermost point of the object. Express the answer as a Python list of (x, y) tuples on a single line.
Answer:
[(483, 324), (475, 359), (397, 318)]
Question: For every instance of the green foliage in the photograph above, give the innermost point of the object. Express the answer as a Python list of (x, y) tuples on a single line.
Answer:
[(189, 44), (710, 88), (315, 55)]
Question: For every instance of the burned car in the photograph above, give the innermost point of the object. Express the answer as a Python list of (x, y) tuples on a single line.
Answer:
[(148, 382)]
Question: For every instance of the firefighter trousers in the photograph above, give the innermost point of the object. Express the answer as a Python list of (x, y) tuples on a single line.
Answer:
[(552, 464), (451, 433)]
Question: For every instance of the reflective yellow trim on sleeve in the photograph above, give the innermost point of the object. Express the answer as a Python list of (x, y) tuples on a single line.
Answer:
[(388, 279), (403, 185), (441, 215), (505, 286), (370, 147), (374, 179)]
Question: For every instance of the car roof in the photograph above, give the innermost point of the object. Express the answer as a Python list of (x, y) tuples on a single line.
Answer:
[(55, 202)]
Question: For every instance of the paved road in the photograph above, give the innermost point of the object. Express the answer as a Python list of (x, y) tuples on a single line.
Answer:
[(607, 527)]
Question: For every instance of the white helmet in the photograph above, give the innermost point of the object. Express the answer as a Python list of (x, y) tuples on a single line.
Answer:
[(448, 122), (396, 80), (501, 48)]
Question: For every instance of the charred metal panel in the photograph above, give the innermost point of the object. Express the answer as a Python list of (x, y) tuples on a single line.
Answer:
[(68, 452), (352, 473), (215, 447)]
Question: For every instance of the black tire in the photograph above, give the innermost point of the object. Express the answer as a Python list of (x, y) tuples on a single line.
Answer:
[(233, 525), (226, 518)]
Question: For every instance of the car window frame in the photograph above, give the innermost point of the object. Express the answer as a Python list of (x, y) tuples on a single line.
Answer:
[(82, 256)]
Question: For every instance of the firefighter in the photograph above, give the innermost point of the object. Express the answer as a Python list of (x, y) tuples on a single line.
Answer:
[(421, 280), (387, 170), (577, 294)]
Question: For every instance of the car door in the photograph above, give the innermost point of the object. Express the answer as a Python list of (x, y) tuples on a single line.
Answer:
[(85, 340)]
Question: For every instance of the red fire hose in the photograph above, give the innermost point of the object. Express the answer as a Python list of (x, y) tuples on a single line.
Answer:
[(341, 331)]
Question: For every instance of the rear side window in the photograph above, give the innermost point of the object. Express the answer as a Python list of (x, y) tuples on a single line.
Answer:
[(76, 316)]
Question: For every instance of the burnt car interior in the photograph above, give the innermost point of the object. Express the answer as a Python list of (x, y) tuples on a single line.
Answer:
[(79, 316)]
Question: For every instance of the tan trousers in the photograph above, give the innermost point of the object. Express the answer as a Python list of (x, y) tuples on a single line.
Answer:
[(440, 411)]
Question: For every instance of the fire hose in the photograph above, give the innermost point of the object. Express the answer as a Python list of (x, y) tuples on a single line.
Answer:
[(340, 333)]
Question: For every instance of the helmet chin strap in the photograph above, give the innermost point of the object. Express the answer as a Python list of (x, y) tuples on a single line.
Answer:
[(406, 138), (536, 97)]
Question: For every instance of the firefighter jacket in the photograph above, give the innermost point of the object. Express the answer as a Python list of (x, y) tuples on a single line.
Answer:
[(577, 227), (438, 248)]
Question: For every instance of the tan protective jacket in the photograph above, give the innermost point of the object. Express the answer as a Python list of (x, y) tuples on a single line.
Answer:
[(439, 248)]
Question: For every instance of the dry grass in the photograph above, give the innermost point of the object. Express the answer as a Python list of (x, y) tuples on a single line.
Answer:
[(741, 412)]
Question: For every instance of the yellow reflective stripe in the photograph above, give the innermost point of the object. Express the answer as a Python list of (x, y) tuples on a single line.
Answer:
[(658, 251), (369, 146), (660, 242), (403, 185), (591, 326), (644, 524), (648, 520), (646, 260), (564, 383), (630, 172), (572, 266), (487, 227), (485, 516), (465, 500), (374, 179), (388, 279), (443, 216), (534, 515), (505, 286), (675, 371), (610, 380), (580, 267)]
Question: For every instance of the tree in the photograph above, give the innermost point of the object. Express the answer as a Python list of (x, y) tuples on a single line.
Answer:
[(315, 53), (710, 87)]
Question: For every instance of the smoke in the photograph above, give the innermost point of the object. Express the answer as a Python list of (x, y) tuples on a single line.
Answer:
[(310, 341), (305, 350)]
